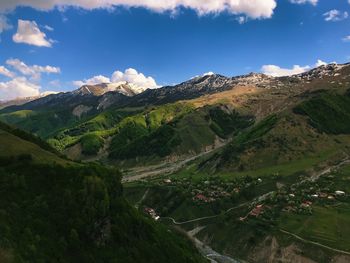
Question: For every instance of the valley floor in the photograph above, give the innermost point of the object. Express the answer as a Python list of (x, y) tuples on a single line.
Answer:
[(217, 226)]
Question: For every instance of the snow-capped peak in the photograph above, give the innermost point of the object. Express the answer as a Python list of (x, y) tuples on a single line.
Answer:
[(122, 87)]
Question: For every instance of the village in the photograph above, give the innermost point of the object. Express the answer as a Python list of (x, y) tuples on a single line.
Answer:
[(299, 199), (208, 191), (295, 199)]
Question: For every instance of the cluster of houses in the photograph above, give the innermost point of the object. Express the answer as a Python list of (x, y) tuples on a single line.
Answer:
[(255, 212), (152, 213), (206, 191), (301, 201), (209, 195), (293, 202)]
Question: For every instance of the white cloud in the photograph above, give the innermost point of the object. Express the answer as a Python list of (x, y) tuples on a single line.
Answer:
[(251, 8), (48, 28), (335, 15), (210, 73), (277, 71), (313, 2), (347, 38), (49, 92), (26, 81), (18, 87), (34, 71), (320, 63), (241, 20), (78, 83), (29, 33), (92, 81), (4, 71), (4, 24), (132, 76)]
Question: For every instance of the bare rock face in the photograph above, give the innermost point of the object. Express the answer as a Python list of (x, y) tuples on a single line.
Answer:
[(341, 259), (79, 110), (330, 70), (270, 251)]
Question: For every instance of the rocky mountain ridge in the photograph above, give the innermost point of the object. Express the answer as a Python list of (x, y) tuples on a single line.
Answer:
[(104, 95)]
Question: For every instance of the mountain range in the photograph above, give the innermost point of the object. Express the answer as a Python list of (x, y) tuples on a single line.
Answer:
[(265, 159)]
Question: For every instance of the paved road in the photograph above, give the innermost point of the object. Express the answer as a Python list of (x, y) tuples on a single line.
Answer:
[(205, 217)]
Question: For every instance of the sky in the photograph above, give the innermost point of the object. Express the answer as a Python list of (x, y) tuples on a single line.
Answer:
[(59, 45)]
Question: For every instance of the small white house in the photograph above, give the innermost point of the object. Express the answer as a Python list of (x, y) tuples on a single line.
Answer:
[(340, 193)]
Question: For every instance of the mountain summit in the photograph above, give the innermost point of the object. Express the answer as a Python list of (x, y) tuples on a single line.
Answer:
[(123, 87)]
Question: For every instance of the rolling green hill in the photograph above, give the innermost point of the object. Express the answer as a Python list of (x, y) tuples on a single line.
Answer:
[(315, 127), (188, 133)]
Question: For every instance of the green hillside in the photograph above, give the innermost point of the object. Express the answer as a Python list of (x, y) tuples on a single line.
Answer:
[(188, 133), (41, 123), (328, 113), (316, 127), (15, 142), (73, 213), (291, 163)]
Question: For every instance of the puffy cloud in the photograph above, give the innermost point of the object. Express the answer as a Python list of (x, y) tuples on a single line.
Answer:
[(347, 38), (277, 71), (313, 2), (4, 71), (251, 8), (92, 81), (320, 63), (33, 71), (335, 15), (132, 76), (29, 33), (18, 87)]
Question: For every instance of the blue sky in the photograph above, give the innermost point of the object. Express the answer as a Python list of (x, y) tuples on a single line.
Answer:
[(170, 45)]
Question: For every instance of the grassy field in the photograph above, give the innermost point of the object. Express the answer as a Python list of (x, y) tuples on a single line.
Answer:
[(13, 146), (288, 168), (327, 225), (281, 170), (16, 116)]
